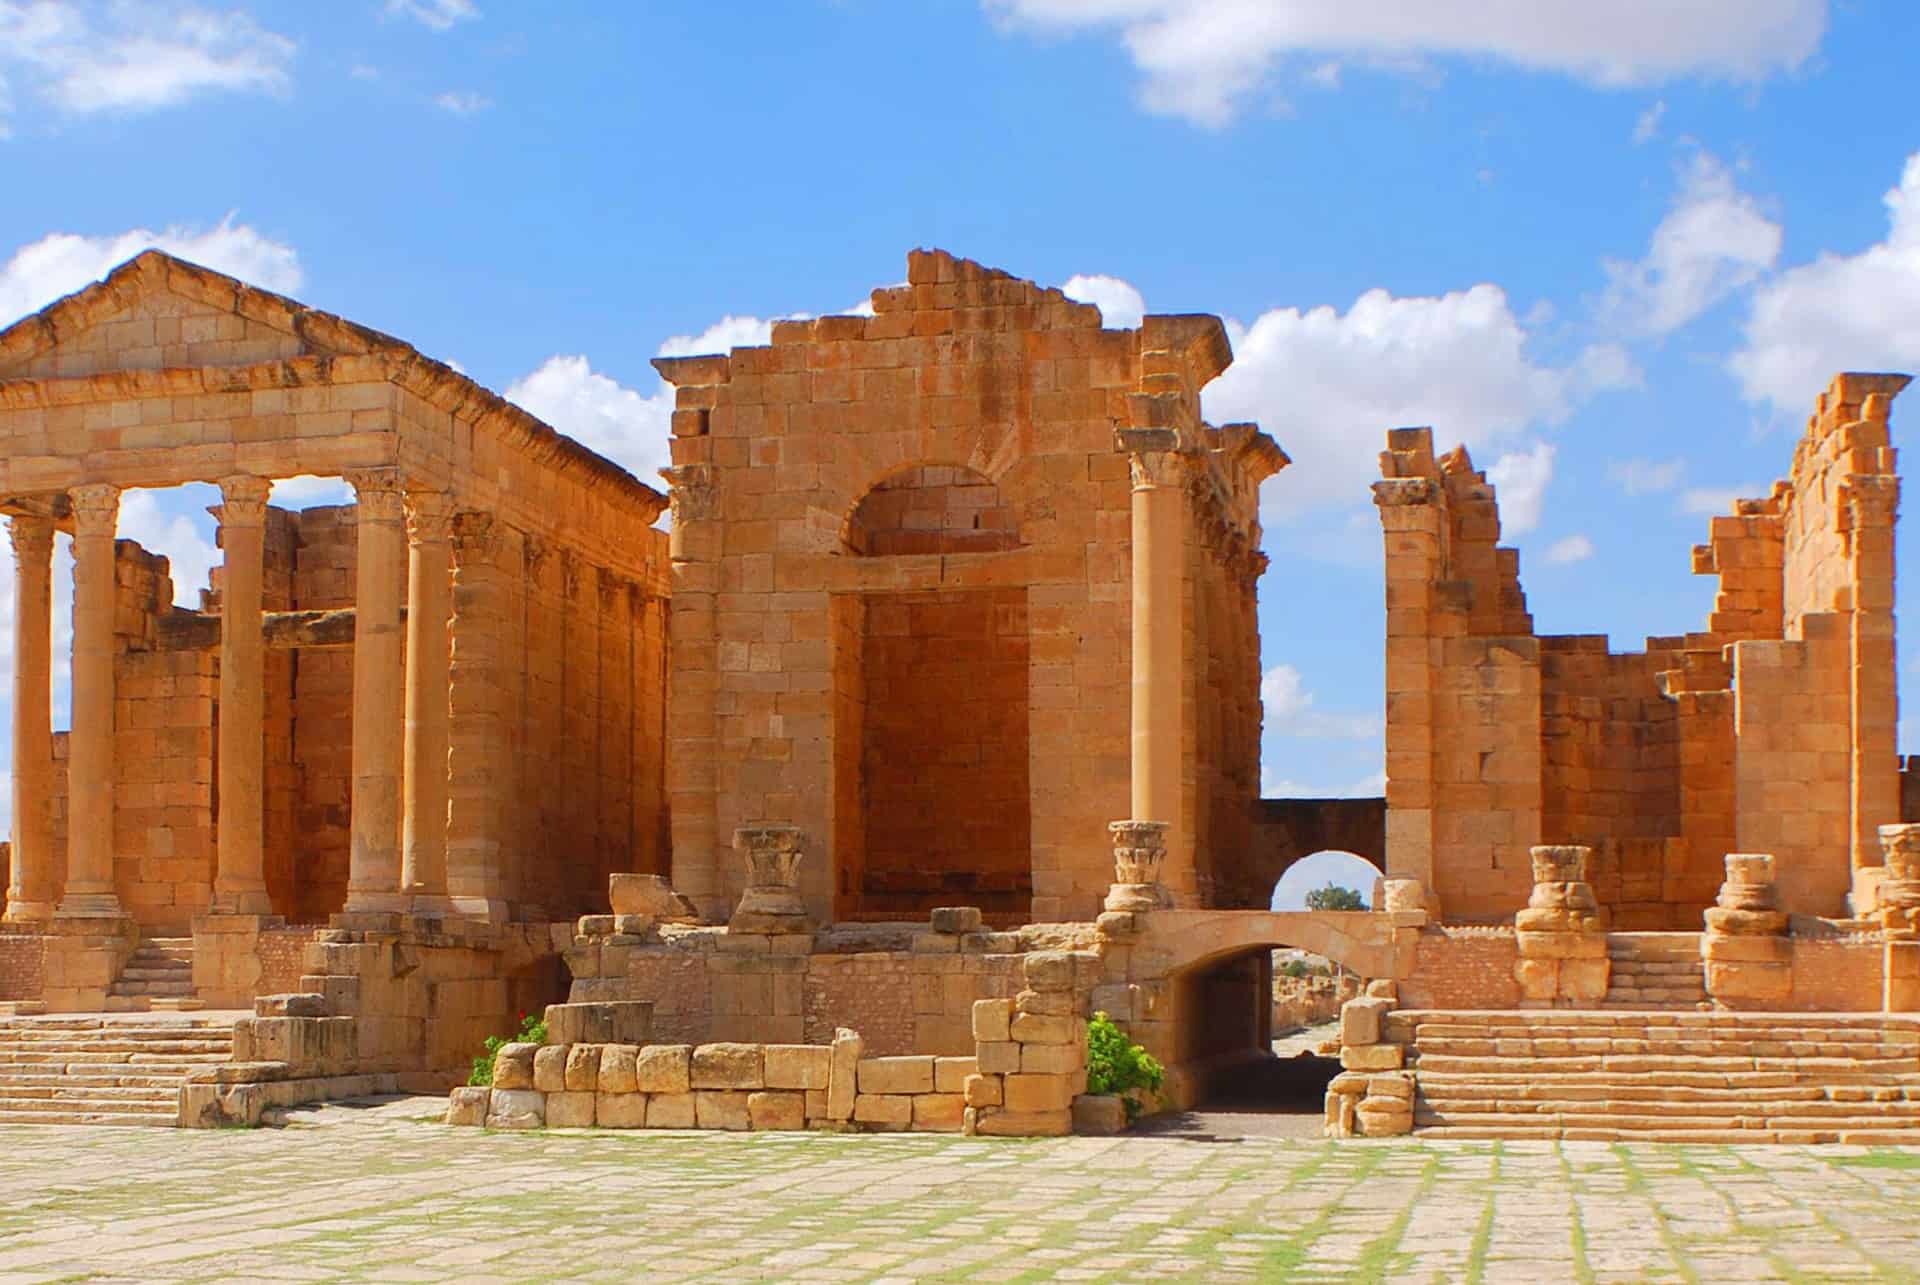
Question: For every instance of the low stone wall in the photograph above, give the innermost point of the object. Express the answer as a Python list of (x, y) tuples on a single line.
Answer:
[(22, 964), (1311, 1000), (1463, 966), (1840, 972)]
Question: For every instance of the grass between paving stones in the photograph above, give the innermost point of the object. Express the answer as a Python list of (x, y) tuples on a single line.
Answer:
[(1639, 1185), (1880, 1159), (1377, 1261)]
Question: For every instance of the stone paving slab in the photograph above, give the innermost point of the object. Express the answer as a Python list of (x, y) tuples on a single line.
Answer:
[(377, 1192)]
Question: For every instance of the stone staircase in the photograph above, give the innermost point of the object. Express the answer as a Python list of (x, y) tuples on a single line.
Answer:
[(1666, 1076), (159, 977), (1660, 971), (96, 1068)]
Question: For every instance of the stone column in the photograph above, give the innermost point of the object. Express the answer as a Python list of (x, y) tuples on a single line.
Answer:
[(1900, 918), (1139, 850), (90, 762), (771, 903), (240, 885), (479, 765), (1159, 546), (373, 878), (429, 605), (692, 719), (1747, 956), (32, 885), (1561, 936), (1411, 523)]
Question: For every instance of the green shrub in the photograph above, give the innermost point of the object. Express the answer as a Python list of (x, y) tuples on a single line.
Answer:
[(1295, 968), (1115, 1064), (533, 1030)]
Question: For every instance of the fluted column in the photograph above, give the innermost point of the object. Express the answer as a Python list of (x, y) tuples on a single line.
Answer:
[(373, 876), (90, 766), (239, 884), (423, 842), (32, 883)]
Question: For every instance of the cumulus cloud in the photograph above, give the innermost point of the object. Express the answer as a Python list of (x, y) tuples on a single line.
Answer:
[(1521, 479), (59, 264), (1204, 60), (1571, 549), (88, 58), (599, 412), (1121, 306), (305, 491), (1643, 477), (723, 335), (1275, 786), (1328, 384), (1290, 711), (1713, 242), (1839, 312), (440, 15), (462, 102), (187, 544)]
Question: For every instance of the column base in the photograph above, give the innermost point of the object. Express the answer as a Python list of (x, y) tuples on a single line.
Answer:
[(27, 912), (377, 903), (80, 904), (492, 910), (240, 901), (1138, 897), (430, 905)]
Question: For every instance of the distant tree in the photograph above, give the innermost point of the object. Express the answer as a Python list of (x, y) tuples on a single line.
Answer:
[(1334, 897)]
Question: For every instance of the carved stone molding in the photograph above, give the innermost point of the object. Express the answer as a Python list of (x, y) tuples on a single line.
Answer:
[(243, 500), (378, 493), (691, 493), (429, 517), (32, 539), (474, 536)]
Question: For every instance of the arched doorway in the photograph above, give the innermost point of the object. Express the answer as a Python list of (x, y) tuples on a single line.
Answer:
[(1327, 868)]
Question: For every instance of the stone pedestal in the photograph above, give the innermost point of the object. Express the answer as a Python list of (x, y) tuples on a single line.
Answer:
[(1139, 851), (226, 958), (1562, 933), (771, 903), (1748, 956), (1899, 910)]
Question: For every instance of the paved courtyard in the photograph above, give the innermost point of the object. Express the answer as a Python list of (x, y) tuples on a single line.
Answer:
[(380, 1194)]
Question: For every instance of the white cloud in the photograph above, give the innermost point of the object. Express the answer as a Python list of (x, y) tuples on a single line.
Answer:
[(727, 333), (1275, 786), (1643, 477), (1574, 548), (437, 14), (1204, 60), (1717, 501), (1521, 478), (1713, 242), (305, 491), (86, 58), (1328, 385), (59, 264), (462, 102), (173, 535), (1839, 312), (600, 413), (1647, 127), (1121, 306), (1290, 711)]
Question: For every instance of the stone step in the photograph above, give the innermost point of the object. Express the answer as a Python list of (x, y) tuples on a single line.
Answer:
[(1663, 1027), (1744, 1104), (156, 970), (91, 1093), (1637, 1062), (125, 1032), (208, 1045), (1519, 1128), (134, 1061), (70, 1115), (1554, 1049), (1835, 1082), (1632, 1091), (12, 1079)]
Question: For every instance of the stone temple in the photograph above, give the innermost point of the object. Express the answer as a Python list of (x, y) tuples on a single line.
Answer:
[(928, 726)]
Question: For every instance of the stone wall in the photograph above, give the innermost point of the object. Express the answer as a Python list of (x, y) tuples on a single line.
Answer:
[(1463, 967), (22, 963)]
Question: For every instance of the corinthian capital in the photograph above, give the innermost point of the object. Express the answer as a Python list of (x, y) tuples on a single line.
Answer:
[(96, 508), (243, 500), (377, 491)]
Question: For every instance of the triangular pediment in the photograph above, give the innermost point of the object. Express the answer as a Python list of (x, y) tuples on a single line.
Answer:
[(156, 311)]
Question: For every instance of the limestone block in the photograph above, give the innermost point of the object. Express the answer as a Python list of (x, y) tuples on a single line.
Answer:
[(617, 1063), (302, 1004), (1025, 1124), (1048, 970), (1745, 923), (798, 1066), (595, 926), (550, 1068), (983, 1091), (1383, 1117), (1040, 1092), (1560, 944), (1539, 978), (999, 1058), (1099, 1115), (769, 1109), (843, 1074), (728, 1066), (516, 1109), (950, 1073), (938, 1112), (1584, 979), (1036, 1028), (955, 919), (1373, 1057), (583, 1067), (570, 1110), (991, 1019), (894, 1109), (816, 1100), (1749, 981), (1384, 988), (721, 1109), (468, 1106), (1349, 1082), (513, 1066), (1045, 1003), (634, 894), (1715, 948), (1360, 1020), (663, 1068), (1052, 1059), (896, 1075), (670, 1111), (608, 1022)]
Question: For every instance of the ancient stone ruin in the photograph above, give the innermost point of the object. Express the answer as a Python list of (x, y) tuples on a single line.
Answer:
[(929, 729)]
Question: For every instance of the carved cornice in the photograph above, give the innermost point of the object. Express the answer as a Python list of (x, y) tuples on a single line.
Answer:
[(691, 492), (1400, 492), (96, 509)]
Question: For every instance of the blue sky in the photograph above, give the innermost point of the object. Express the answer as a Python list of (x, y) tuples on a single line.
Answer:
[(1616, 249)]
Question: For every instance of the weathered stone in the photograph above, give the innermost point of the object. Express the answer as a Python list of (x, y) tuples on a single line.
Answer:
[(663, 1068), (468, 1106), (798, 1066), (1048, 970), (1099, 1115), (770, 1109), (1373, 1057), (938, 1112), (1052, 1059), (607, 1022), (955, 919), (1025, 1124), (583, 1067), (992, 1019), (513, 1066), (983, 1091), (516, 1109), (728, 1066), (622, 1110), (890, 1075), (843, 1074), (617, 1068), (1026, 1093), (998, 1058), (950, 1073), (1360, 1020), (570, 1110), (721, 1109), (550, 1068), (1035, 1028), (883, 1109), (671, 1111)]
